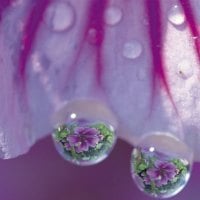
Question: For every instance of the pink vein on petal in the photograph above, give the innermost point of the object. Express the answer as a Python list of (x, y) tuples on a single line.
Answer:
[(95, 22), (96, 15), (186, 5), (30, 30), (3, 5), (153, 10)]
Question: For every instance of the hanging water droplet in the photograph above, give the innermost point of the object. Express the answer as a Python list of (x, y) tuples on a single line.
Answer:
[(85, 138), (184, 69), (113, 15), (60, 16), (161, 165), (176, 15), (132, 49)]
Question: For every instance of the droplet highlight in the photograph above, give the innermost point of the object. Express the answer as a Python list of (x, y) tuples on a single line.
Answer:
[(132, 50), (60, 16), (113, 15), (161, 166), (176, 15)]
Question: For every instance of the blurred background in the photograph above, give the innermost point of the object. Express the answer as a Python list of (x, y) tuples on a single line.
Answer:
[(43, 175)]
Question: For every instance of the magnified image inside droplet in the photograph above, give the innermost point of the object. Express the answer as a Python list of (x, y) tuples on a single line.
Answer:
[(84, 142), (159, 172)]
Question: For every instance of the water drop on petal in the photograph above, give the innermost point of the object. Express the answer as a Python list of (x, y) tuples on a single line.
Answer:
[(113, 15), (86, 136), (185, 69), (132, 49), (161, 165), (60, 16), (176, 16)]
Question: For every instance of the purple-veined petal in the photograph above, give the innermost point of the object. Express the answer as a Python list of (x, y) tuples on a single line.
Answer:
[(82, 146), (153, 173), (44, 68), (73, 139)]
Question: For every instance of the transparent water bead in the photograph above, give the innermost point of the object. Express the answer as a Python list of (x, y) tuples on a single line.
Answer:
[(60, 16), (176, 15), (85, 138), (184, 69), (132, 50), (113, 15), (161, 165)]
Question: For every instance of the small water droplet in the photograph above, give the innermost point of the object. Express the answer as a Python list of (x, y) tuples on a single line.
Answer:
[(132, 49), (113, 15), (161, 165), (185, 69), (60, 16), (176, 15)]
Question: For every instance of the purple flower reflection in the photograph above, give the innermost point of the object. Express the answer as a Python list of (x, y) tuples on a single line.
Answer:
[(146, 179), (162, 172), (83, 138)]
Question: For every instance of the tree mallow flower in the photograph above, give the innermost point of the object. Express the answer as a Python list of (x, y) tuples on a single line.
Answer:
[(130, 55), (83, 138), (162, 172)]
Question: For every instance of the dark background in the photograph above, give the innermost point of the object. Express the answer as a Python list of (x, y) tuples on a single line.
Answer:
[(43, 175)]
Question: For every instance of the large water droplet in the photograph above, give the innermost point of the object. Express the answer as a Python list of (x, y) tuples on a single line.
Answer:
[(85, 138), (176, 15), (184, 69), (60, 16), (161, 165), (113, 15), (132, 49)]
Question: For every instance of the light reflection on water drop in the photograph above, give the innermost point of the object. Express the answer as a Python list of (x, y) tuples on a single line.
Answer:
[(132, 49), (176, 16), (60, 16), (113, 15)]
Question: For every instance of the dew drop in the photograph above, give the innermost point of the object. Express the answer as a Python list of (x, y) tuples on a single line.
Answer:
[(113, 16), (132, 50), (161, 165), (85, 138), (176, 16), (184, 69), (60, 16)]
